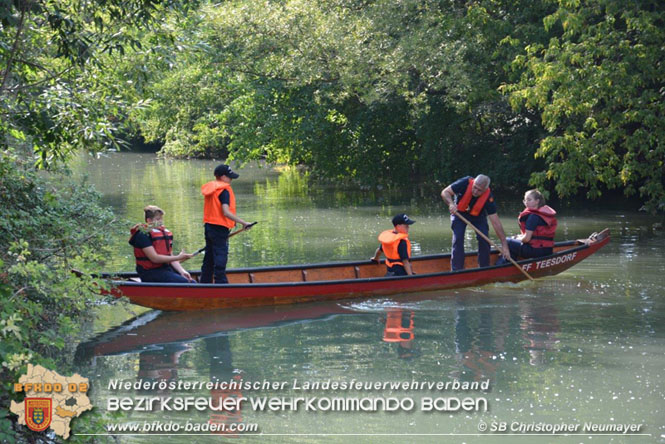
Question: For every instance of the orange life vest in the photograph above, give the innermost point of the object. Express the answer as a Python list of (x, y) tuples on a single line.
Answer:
[(463, 204), (389, 244), (162, 241), (543, 235), (399, 328), (212, 207)]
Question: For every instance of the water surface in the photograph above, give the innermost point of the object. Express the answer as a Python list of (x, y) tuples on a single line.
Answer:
[(585, 346)]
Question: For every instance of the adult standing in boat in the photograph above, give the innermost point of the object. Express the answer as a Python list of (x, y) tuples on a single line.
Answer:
[(473, 199), (537, 226), (219, 217), (396, 247), (153, 245)]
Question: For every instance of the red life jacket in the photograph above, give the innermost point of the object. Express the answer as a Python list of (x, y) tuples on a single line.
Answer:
[(389, 244), (463, 203), (162, 241), (543, 236)]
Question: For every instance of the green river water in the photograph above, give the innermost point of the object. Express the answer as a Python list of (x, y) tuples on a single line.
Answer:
[(583, 350)]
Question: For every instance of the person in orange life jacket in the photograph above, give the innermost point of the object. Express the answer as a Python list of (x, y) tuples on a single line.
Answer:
[(219, 217), (473, 199), (153, 245), (396, 247), (537, 225)]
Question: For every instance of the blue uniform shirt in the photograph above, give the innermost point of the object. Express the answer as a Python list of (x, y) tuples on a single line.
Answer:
[(225, 197), (533, 221), (140, 240)]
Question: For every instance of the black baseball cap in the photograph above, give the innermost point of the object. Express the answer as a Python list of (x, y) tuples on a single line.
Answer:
[(225, 170), (403, 219)]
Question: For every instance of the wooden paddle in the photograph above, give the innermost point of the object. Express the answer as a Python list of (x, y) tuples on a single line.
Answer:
[(200, 250), (481, 234)]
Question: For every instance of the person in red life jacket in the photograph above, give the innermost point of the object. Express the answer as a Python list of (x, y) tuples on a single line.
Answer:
[(537, 225), (396, 247), (473, 199), (219, 217), (153, 245)]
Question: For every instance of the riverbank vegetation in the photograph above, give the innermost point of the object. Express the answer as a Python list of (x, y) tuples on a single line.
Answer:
[(48, 229), (55, 98), (560, 94), (565, 95)]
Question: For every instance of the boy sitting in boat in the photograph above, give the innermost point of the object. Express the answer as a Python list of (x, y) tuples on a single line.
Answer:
[(153, 245), (396, 247)]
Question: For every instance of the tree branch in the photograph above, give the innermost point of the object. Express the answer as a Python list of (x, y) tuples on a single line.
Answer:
[(19, 30)]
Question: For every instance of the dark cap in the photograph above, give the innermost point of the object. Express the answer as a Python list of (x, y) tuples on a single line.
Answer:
[(403, 219), (225, 170)]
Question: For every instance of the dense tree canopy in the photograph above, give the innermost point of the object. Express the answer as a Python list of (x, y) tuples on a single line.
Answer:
[(383, 92), (55, 96), (392, 93), (599, 84), (564, 94)]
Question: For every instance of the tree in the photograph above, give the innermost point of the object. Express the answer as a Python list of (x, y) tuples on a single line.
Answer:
[(52, 97), (598, 85), (380, 92)]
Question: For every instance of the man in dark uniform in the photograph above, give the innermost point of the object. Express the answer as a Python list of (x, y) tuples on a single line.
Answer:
[(473, 199)]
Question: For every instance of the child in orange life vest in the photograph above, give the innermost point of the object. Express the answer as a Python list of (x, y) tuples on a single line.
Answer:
[(396, 247), (537, 225), (153, 245), (219, 217)]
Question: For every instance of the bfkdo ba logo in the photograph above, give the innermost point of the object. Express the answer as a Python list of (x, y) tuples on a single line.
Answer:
[(38, 413)]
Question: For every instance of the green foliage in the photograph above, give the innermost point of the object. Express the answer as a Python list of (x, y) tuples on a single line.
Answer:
[(48, 226), (53, 94), (379, 92), (393, 93), (598, 84), (372, 91)]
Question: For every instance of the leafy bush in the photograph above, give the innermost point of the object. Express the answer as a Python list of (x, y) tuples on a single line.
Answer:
[(49, 225)]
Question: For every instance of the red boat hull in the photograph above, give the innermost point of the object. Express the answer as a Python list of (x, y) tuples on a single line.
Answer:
[(358, 279)]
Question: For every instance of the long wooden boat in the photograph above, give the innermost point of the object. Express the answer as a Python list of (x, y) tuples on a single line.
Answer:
[(317, 282)]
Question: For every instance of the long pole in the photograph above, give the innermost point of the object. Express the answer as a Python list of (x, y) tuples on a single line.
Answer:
[(200, 250), (481, 234)]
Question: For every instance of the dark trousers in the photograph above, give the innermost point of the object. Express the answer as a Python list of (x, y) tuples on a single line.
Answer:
[(396, 270), (459, 227), (161, 274), (525, 251), (216, 254)]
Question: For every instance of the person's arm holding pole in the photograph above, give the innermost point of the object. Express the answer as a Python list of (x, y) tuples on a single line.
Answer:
[(481, 234), (448, 196), (227, 212), (498, 229)]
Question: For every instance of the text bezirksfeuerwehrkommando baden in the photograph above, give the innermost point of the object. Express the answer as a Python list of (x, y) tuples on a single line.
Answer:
[(364, 401)]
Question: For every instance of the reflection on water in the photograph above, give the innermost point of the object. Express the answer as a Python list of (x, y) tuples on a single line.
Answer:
[(584, 346), (553, 356)]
